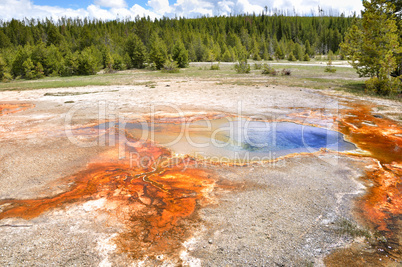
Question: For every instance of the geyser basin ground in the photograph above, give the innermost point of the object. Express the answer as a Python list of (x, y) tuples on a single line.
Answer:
[(289, 213), (238, 140)]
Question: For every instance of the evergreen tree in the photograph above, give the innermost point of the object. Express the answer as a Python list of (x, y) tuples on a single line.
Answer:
[(127, 61), (118, 62), (241, 52), (136, 52), (53, 36), (3, 69), (4, 40), (371, 45), (70, 64), (308, 49), (279, 53), (291, 57), (87, 62), (398, 15), (200, 50), (54, 61), (227, 57), (209, 55), (158, 51), (191, 53), (39, 71), (180, 55), (216, 50), (330, 56), (86, 38), (39, 55), (57, 46), (329, 67), (108, 61), (298, 51), (17, 68), (29, 71), (255, 52), (265, 53)]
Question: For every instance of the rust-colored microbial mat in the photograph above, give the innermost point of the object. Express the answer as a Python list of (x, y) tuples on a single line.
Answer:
[(381, 207), (13, 108), (158, 203)]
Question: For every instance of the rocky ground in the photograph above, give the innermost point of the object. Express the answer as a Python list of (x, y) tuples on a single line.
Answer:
[(288, 213)]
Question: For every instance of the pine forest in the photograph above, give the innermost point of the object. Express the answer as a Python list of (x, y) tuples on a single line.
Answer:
[(32, 49)]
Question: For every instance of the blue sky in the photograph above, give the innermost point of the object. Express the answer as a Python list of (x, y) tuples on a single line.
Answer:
[(66, 3), (80, 3), (112, 9)]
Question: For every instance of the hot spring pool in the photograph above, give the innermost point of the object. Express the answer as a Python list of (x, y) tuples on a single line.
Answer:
[(235, 138)]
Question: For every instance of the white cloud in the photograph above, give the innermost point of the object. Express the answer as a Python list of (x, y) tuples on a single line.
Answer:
[(244, 6), (20, 9), (121, 12), (97, 12), (311, 6), (138, 10), (106, 9), (193, 8), (224, 8), (343, 5), (111, 3), (160, 6)]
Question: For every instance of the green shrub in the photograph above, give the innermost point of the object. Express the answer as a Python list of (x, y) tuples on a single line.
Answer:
[(7, 77), (384, 86), (330, 69), (242, 67), (257, 66), (215, 67), (267, 69), (170, 67), (306, 57)]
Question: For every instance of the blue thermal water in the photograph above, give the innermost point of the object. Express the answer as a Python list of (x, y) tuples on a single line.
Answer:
[(236, 138), (264, 137)]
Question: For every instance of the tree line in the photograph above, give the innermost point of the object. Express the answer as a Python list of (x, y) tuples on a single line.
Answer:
[(32, 49)]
